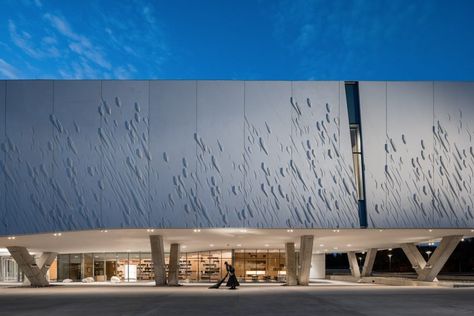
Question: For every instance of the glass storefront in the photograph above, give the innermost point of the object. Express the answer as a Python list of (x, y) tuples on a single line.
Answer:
[(9, 270), (205, 266)]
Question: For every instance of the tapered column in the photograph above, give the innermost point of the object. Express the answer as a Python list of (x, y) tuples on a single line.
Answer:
[(414, 256), (369, 262), (46, 260), (158, 258), (290, 262), (306, 252), (353, 264), (439, 258), (27, 264), (173, 266)]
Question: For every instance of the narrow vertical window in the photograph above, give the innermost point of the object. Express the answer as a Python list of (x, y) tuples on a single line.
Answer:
[(353, 109)]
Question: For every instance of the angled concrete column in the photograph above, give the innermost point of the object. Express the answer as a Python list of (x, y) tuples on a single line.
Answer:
[(306, 252), (354, 265), (318, 267), (45, 261), (439, 258), (290, 262), (369, 262), (158, 258), (173, 266), (27, 264), (414, 256)]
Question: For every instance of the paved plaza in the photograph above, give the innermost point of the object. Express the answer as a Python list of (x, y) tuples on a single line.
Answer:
[(335, 298)]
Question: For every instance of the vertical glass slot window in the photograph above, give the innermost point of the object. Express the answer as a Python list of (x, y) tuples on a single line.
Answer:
[(357, 160)]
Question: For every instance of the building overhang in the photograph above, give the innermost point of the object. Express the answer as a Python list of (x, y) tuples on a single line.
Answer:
[(137, 240)]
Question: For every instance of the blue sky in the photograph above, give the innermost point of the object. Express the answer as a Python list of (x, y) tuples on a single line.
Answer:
[(239, 39)]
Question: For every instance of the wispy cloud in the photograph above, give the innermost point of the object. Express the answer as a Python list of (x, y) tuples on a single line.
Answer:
[(7, 70), (118, 44)]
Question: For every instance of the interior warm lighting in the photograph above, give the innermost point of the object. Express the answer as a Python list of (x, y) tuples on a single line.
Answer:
[(335, 230), (150, 230), (104, 231), (57, 234), (349, 245), (289, 230), (211, 245), (243, 230), (11, 238), (430, 230), (267, 245), (321, 245), (196, 230)]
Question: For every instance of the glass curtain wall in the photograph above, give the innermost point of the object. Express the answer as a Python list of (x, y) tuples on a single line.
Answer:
[(204, 266)]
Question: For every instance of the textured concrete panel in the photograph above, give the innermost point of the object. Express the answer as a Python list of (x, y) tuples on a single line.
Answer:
[(173, 147), (220, 163), (268, 152), (454, 155), (409, 149), (374, 127), (124, 139), (76, 179), (2, 155), (323, 176), (29, 157)]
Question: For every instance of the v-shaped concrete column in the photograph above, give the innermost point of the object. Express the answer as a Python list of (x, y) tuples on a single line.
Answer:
[(34, 271), (306, 253), (369, 262), (428, 271), (439, 258), (158, 258), (353, 264), (414, 256)]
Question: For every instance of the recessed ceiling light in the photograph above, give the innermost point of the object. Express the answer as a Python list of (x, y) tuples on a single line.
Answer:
[(380, 230), (267, 245), (196, 230), (184, 246), (243, 230), (11, 237), (335, 230), (239, 245), (389, 249), (289, 230), (462, 239), (349, 245), (150, 230), (430, 230), (321, 245), (57, 234), (335, 248), (211, 245)]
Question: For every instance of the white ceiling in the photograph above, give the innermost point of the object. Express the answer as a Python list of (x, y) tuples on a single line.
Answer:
[(326, 240)]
